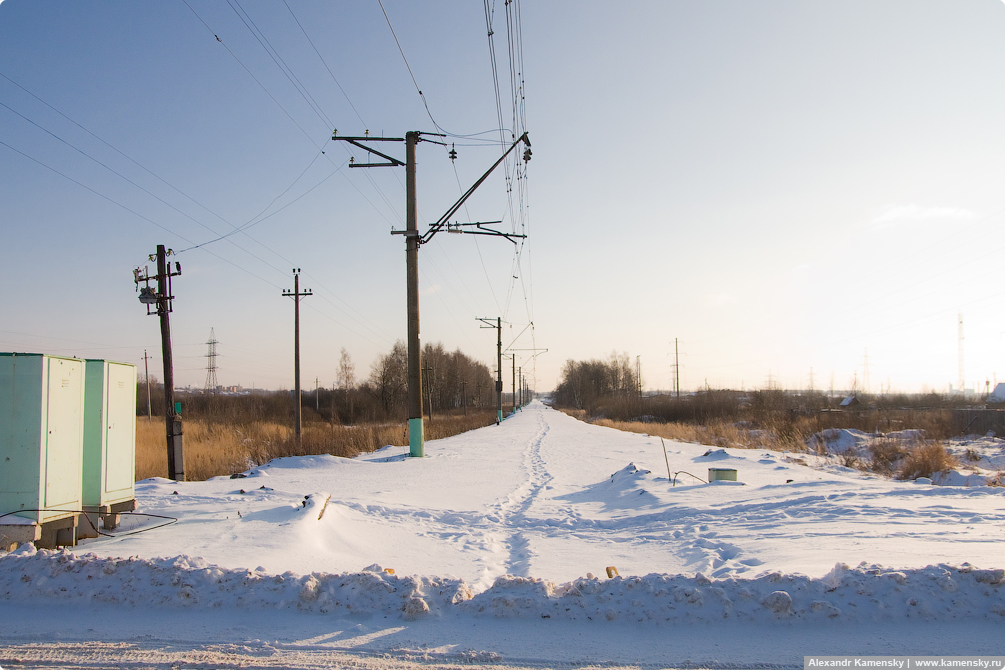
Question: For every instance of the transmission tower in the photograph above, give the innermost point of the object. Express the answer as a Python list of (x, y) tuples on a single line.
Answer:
[(962, 380), (211, 383), (865, 372)]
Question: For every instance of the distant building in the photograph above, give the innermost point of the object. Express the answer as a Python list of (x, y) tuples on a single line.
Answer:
[(850, 401), (998, 395)]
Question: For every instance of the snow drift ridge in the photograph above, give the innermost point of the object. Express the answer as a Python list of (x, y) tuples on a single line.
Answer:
[(864, 593)]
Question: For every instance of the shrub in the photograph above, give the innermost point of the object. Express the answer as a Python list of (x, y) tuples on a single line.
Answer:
[(885, 454), (926, 460)]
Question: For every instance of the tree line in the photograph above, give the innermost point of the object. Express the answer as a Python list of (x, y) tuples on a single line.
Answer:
[(451, 380), (583, 383)]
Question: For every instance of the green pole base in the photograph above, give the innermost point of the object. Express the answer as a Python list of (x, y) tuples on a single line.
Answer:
[(416, 442)]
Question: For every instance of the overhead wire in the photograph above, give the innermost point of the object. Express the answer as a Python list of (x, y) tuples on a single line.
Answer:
[(294, 80), (251, 222), (131, 211), (120, 175), (408, 67), (163, 227), (114, 148), (281, 63), (297, 84), (517, 171), (252, 75), (440, 129), (324, 62), (161, 200), (186, 215), (255, 220)]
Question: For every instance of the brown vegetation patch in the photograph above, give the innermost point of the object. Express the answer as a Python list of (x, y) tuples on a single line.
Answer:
[(926, 460), (213, 448)]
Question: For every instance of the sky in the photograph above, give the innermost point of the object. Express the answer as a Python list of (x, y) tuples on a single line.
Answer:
[(797, 194)]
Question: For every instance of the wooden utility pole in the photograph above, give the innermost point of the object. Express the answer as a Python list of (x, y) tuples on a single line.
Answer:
[(159, 303), (413, 239), (146, 373), (499, 382), (416, 434), (464, 397), (296, 295), (514, 383), (535, 353), (427, 373)]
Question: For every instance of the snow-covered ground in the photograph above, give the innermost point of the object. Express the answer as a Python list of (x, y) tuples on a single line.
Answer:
[(495, 548)]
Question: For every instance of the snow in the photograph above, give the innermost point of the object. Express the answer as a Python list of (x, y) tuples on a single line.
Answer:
[(500, 539)]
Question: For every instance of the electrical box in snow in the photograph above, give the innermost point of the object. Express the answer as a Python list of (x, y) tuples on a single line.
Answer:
[(721, 475), (109, 465), (41, 436)]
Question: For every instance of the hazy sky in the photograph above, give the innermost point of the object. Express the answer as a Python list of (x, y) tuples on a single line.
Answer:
[(784, 187)]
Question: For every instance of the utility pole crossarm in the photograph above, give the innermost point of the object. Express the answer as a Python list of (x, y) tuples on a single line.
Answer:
[(355, 141), (436, 227), (480, 230)]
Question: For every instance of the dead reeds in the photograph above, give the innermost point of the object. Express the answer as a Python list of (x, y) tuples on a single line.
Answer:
[(213, 448)]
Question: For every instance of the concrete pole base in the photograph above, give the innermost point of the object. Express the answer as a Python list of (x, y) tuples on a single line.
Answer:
[(416, 438)]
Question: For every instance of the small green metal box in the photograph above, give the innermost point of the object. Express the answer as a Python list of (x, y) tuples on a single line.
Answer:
[(721, 475)]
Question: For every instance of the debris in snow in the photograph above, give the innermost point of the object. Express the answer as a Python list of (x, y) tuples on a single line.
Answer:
[(779, 602)]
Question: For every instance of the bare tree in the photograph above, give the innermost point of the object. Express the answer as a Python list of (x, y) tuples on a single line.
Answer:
[(347, 379), (389, 377)]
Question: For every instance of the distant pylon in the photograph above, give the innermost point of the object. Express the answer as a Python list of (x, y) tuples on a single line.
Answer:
[(865, 372), (962, 379), (211, 383)]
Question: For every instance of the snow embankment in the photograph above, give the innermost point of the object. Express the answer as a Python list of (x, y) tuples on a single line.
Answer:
[(862, 594)]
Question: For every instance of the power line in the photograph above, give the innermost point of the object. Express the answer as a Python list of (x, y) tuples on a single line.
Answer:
[(291, 76), (197, 246), (251, 74), (251, 222), (254, 221), (324, 62), (113, 148), (409, 67), (100, 195), (280, 63), (148, 192)]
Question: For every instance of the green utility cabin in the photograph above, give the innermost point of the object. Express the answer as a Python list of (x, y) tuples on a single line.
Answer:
[(109, 455), (41, 445)]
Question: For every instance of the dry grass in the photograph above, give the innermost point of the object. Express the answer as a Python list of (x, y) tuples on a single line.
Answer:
[(925, 460), (213, 448), (785, 436), (888, 457), (886, 454)]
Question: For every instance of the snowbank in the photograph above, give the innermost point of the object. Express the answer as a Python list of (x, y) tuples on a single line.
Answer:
[(863, 594)]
